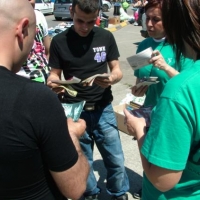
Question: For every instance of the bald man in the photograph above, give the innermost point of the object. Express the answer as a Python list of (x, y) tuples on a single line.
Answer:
[(40, 156)]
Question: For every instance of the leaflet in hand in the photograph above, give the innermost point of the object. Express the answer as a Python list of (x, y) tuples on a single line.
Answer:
[(144, 112), (146, 83), (89, 81), (141, 59), (70, 90), (71, 80)]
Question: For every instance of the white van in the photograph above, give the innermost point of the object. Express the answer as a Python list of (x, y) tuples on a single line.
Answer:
[(45, 6)]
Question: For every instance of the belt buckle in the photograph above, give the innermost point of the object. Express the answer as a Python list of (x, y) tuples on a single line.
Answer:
[(89, 108)]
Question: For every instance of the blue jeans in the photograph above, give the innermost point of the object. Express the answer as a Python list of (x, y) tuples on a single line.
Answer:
[(102, 129)]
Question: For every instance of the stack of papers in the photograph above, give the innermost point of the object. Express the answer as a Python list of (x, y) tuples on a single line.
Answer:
[(71, 80), (147, 81), (89, 81)]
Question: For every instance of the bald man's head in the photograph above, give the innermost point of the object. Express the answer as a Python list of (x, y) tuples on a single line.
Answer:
[(17, 29), (15, 10)]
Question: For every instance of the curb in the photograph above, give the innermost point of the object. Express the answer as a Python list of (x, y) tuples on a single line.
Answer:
[(118, 26)]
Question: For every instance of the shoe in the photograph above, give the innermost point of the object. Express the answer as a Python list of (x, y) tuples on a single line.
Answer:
[(135, 24), (91, 197), (122, 197), (138, 195)]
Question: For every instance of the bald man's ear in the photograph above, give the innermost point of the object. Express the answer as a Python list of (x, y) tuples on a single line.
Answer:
[(22, 29)]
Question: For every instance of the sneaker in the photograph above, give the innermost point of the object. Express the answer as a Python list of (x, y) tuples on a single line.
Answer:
[(122, 197), (91, 197), (135, 24)]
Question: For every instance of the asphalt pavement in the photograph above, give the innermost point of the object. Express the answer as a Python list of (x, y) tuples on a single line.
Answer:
[(127, 37)]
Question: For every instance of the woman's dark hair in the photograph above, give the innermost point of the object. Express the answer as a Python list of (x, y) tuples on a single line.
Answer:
[(153, 4), (181, 21), (87, 6)]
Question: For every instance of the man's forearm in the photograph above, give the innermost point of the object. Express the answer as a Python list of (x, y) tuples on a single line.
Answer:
[(72, 182), (53, 76), (76, 144), (116, 76), (81, 169)]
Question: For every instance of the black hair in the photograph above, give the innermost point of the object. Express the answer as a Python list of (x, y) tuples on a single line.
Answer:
[(87, 6)]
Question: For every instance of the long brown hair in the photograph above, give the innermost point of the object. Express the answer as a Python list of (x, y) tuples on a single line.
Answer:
[(181, 21)]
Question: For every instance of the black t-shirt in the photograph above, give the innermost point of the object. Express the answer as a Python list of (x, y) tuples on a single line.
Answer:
[(33, 134), (84, 57)]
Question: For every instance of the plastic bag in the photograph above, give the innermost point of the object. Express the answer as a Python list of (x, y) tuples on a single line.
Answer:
[(125, 5), (73, 110)]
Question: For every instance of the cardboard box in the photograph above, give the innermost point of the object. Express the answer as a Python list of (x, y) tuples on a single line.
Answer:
[(120, 117), (114, 20)]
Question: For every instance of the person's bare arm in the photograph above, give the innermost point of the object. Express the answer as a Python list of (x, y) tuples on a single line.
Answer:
[(158, 61), (137, 4), (72, 182), (144, 3), (115, 71), (47, 42), (139, 91), (55, 74), (162, 179)]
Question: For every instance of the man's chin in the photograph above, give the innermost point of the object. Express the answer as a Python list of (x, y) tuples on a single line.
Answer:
[(83, 34)]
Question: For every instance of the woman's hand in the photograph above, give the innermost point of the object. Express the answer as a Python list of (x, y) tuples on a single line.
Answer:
[(158, 61), (135, 126), (139, 91)]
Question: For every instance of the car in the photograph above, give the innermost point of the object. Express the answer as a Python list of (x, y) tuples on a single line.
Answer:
[(106, 6), (110, 1), (45, 6), (61, 8)]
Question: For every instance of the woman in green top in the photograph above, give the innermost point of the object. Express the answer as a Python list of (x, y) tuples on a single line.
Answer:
[(170, 150), (163, 65)]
